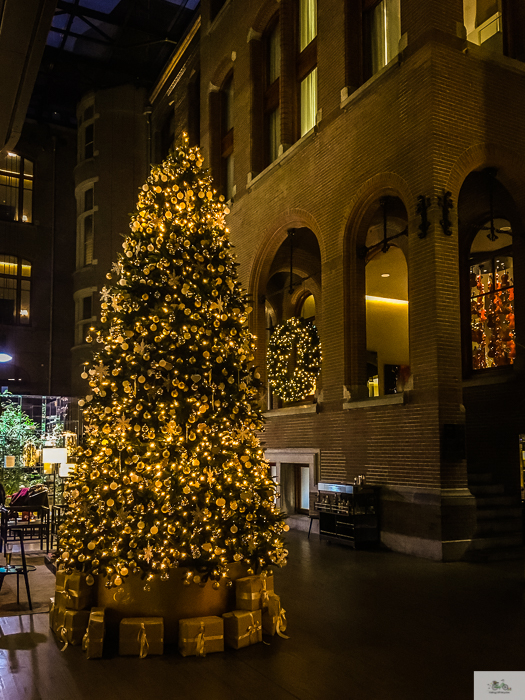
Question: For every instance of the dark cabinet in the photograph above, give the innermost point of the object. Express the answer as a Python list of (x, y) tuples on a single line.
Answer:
[(351, 519)]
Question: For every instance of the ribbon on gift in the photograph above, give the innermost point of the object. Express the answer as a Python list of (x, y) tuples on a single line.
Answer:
[(143, 641), (63, 637), (280, 624), (265, 596), (252, 629), (200, 639), (85, 640)]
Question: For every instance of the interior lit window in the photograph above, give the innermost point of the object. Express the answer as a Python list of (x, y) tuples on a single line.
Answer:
[(483, 22), (382, 33), (272, 112), (307, 309), (16, 188), (386, 280), (15, 290), (492, 297), (307, 65)]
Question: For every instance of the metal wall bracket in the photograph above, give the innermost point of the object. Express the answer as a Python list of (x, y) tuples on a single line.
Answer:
[(445, 202)]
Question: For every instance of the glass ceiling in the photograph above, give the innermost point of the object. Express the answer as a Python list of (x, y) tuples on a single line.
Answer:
[(97, 44)]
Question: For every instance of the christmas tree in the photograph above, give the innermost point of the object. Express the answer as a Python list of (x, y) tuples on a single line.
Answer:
[(171, 471)]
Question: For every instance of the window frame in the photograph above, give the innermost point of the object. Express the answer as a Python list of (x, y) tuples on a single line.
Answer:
[(305, 64), (226, 135), (20, 279), (271, 90), (82, 321), (368, 8), (21, 177), (83, 215)]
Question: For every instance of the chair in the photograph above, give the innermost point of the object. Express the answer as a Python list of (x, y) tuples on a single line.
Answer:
[(17, 531)]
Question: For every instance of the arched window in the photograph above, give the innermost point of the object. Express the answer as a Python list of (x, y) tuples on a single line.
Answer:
[(386, 289), (307, 307), (492, 296), (15, 290)]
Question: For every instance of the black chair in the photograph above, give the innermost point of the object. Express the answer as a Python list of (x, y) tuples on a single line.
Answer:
[(9, 569)]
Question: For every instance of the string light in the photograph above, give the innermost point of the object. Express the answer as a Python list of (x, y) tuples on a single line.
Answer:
[(294, 359), (171, 471)]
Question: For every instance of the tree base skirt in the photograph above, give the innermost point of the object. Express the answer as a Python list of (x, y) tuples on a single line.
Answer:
[(170, 599)]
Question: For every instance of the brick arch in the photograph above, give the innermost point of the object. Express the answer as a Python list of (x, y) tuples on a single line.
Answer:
[(264, 15), (272, 238), (357, 220), (220, 73), (510, 165)]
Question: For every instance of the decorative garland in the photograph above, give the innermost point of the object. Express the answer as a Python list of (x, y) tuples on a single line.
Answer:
[(301, 335)]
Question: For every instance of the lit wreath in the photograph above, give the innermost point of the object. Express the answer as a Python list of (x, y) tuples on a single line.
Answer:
[(303, 335)]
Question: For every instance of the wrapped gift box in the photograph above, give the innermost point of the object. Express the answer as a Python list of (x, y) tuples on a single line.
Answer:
[(74, 626), (93, 641), (74, 583), (274, 618), (141, 636), (242, 628), (74, 600), (199, 636), (251, 592)]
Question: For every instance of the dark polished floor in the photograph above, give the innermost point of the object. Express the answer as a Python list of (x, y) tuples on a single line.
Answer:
[(363, 626)]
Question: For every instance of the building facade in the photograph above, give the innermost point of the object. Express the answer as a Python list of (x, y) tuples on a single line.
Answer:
[(376, 181)]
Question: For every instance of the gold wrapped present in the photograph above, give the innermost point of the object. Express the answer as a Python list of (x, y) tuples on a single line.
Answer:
[(75, 582), (93, 641), (141, 636), (73, 627), (251, 592), (199, 636), (74, 600), (274, 617), (242, 628)]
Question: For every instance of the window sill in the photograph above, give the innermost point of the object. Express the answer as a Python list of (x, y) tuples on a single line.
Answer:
[(363, 89), (292, 411), (507, 376), (389, 400), (298, 145)]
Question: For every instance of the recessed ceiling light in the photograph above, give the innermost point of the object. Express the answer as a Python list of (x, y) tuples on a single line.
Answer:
[(385, 274)]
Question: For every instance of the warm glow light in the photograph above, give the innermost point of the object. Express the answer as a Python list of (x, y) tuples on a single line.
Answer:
[(384, 300), (54, 455), (4, 357)]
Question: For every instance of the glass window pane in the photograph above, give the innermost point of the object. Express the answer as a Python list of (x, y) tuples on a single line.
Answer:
[(8, 265), (305, 488), (308, 307), (88, 240), (274, 134), (308, 102), (385, 33), (88, 141), (227, 106), (86, 307), (28, 167), (274, 55), (307, 22), (24, 305), (26, 269), (9, 198), (27, 204), (88, 199)]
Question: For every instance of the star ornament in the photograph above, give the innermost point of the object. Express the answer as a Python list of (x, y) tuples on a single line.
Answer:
[(123, 424), (105, 295), (148, 553)]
